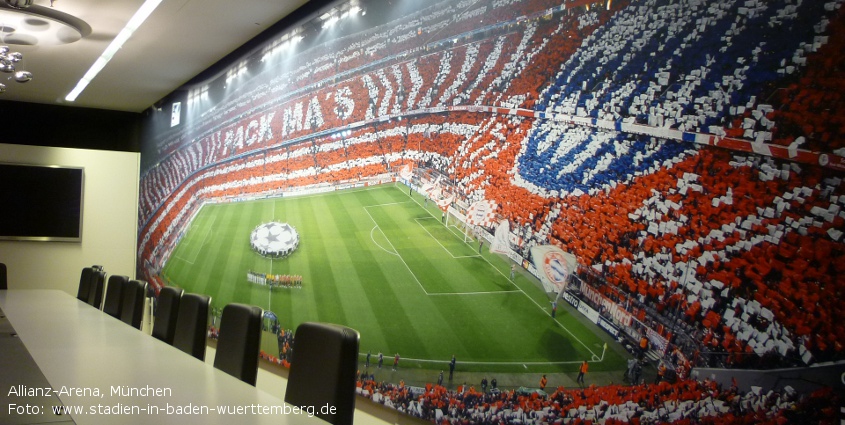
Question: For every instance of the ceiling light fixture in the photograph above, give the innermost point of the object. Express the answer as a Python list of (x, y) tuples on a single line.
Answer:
[(137, 19), (282, 44), (7, 65), (19, 4), (340, 13), (28, 24)]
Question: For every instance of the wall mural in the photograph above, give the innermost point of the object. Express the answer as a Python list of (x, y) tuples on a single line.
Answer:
[(690, 154)]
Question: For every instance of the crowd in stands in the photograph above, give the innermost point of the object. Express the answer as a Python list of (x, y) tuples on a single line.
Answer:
[(742, 251), (644, 67), (680, 402), (245, 124), (677, 401), (285, 339), (805, 106), (341, 58)]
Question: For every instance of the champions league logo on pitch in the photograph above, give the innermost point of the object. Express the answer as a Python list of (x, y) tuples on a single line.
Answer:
[(274, 240)]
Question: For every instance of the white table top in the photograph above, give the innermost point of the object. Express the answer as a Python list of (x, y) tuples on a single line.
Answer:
[(86, 354)]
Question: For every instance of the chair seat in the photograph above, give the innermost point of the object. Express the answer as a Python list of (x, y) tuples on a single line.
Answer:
[(132, 303), (192, 324), (114, 295), (91, 283), (95, 288), (166, 312), (323, 369), (239, 342), (84, 284)]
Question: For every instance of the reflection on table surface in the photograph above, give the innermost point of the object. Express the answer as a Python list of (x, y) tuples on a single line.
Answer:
[(106, 371)]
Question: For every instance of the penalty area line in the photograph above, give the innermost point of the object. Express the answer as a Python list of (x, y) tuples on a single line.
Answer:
[(515, 363), (416, 279), (373, 238), (473, 293), (593, 353)]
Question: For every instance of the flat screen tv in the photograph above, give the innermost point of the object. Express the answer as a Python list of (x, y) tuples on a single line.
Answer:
[(41, 203)]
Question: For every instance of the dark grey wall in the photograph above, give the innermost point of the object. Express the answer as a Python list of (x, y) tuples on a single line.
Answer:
[(804, 380), (68, 127)]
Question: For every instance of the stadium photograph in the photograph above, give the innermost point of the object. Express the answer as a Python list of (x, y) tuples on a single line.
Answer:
[(390, 269), (532, 211)]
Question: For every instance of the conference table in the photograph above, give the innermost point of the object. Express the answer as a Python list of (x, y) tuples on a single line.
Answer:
[(59, 353)]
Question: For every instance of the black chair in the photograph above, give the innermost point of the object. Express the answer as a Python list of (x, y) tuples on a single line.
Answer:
[(239, 341), (132, 303), (322, 370), (114, 295), (95, 287), (3, 278), (167, 309), (192, 324), (84, 284)]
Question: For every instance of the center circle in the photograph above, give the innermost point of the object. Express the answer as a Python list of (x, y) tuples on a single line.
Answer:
[(274, 239)]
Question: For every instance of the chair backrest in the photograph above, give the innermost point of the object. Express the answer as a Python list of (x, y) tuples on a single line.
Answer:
[(84, 284), (95, 287), (322, 370), (3, 278), (132, 303), (114, 292), (192, 324), (167, 308), (239, 341)]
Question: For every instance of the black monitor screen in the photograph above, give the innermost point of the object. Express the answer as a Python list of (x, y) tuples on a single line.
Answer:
[(40, 203)]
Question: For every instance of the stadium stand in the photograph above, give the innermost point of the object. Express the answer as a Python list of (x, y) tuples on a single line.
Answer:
[(681, 402), (330, 161), (733, 256)]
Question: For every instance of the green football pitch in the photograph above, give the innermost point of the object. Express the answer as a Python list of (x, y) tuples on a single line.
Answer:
[(377, 260)]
